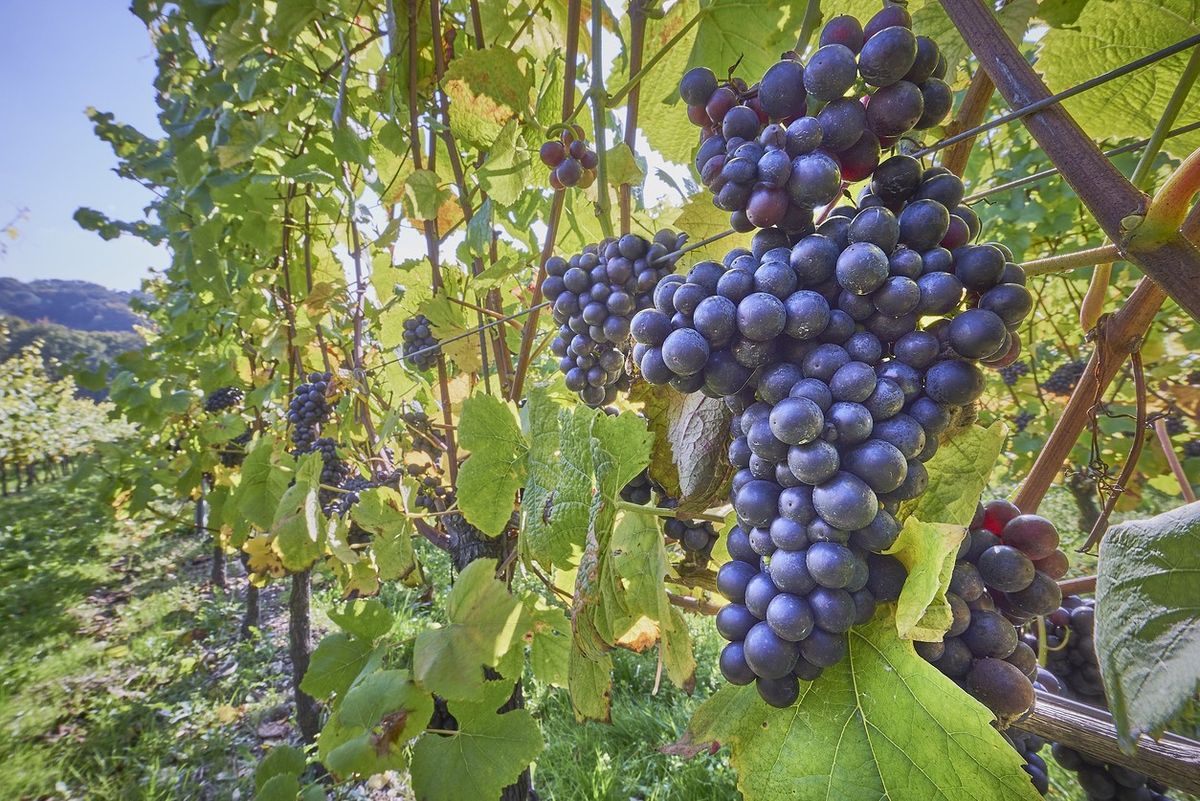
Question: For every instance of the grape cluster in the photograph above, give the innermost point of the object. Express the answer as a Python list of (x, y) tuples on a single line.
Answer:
[(309, 409), (1022, 420), (1176, 424), (1065, 378), (1071, 649), (1013, 372), (424, 439), (571, 161), (233, 452), (639, 490), (773, 151), (595, 295), (1191, 450), (696, 537), (418, 336), (1005, 575), (350, 488), (1028, 746), (1100, 781), (223, 398)]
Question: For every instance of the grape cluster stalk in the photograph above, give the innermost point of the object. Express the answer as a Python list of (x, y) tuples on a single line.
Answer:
[(845, 354), (1005, 575), (595, 295), (772, 151)]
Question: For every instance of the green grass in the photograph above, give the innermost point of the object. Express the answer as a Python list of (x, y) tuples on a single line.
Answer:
[(115, 663)]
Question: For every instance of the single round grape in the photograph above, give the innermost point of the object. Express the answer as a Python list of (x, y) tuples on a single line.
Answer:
[(775, 278), (979, 266), (833, 610), (781, 91), (767, 206), (954, 382), (823, 361), (823, 649), (756, 502), (845, 501), (814, 258), (685, 352), (864, 346), (990, 634), (861, 158), (764, 444), (740, 122), (790, 617), (1000, 687), (899, 296), (835, 228), (886, 577), (654, 369), (844, 30), (733, 664), (734, 621), (889, 15), (807, 314), (760, 542), (955, 660), (853, 381), (776, 381), (759, 592), (831, 72), (780, 693), (923, 224), (842, 123), (552, 153), (926, 61), (830, 564), (1041, 597), (802, 136), (813, 462), (936, 99), (715, 319), (815, 180), (1033, 535), (789, 571), (977, 334), (886, 401), (1011, 302), (965, 582), (697, 86), (788, 534), (862, 268), (879, 464), (732, 579), (895, 109), (887, 56), (1006, 569), (796, 421), (751, 353), (896, 180), (761, 317), (902, 432), (877, 536), (724, 375), (1055, 565), (795, 503), (847, 423), (877, 226), (940, 293)]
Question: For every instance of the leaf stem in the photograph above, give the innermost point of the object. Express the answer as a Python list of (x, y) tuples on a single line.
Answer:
[(812, 18), (652, 62), (659, 511)]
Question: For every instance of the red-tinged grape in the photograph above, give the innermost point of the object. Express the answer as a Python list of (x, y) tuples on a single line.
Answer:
[(957, 234), (887, 56), (887, 17), (552, 153), (1033, 535), (1055, 565), (767, 206), (698, 115), (845, 30), (937, 99), (861, 158), (895, 109), (926, 62), (720, 103), (1001, 687)]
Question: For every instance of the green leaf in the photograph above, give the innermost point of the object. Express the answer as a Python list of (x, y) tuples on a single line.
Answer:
[(505, 173), (284, 787), (488, 481), (263, 483), (1102, 39), (1148, 619), (550, 643), (374, 723), (1060, 13), (298, 523), (479, 230), (380, 511), (290, 18), (245, 136), (482, 624), (366, 619), (622, 166), (958, 474), (424, 195), (557, 502), (701, 219), (487, 89), (282, 760), (336, 663), (883, 723), (486, 754), (928, 550), (590, 683)]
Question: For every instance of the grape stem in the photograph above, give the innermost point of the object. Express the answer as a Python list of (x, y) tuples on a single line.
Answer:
[(1164, 442), (697, 605), (1072, 261), (659, 511), (570, 60), (596, 96)]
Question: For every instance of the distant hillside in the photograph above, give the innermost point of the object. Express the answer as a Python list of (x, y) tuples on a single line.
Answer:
[(81, 305), (65, 350)]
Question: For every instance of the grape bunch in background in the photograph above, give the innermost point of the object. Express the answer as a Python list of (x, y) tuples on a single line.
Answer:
[(223, 398), (772, 152), (419, 343), (840, 395), (309, 409), (696, 537), (1005, 575), (595, 295), (1065, 377), (1072, 670), (571, 161), (233, 452)]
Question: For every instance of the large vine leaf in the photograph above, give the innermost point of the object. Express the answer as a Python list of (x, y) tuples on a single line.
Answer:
[(882, 724), (691, 435), (370, 730), (336, 662), (483, 621), (928, 550), (1100, 40), (487, 89), (298, 524), (489, 480), (263, 483), (557, 502), (1148, 619), (485, 755)]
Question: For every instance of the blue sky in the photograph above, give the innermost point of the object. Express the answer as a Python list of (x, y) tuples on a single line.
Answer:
[(57, 57)]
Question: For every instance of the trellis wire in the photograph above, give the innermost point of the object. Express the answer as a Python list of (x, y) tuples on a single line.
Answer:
[(1046, 102), (1038, 176)]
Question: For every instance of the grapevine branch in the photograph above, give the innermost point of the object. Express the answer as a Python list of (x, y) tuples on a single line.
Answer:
[(637, 42), (652, 62), (1171, 759), (596, 95), (1117, 205), (524, 357), (1072, 261)]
